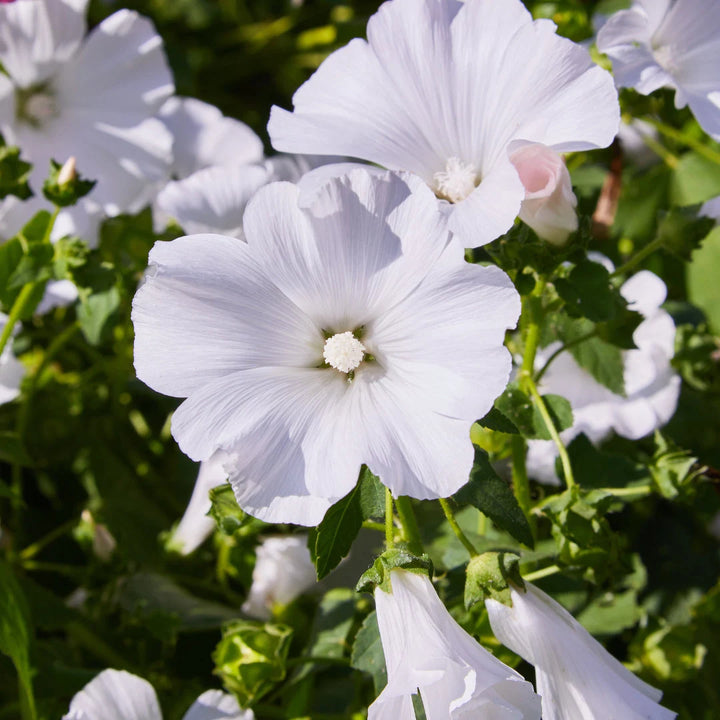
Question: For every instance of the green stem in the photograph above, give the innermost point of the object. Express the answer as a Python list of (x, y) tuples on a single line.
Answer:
[(638, 490), (51, 224), (31, 550), (521, 481), (411, 531), (16, 312), (389, 520), (641, 254), (670, 159), (532, 314), (28, 711), (545, 414), (561, 350), (445, 505), (372, 525), (543, 572), (685, 139)]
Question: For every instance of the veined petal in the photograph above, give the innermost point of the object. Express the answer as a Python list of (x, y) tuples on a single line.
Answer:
[(36, 38), (115, 695), (217, 705)]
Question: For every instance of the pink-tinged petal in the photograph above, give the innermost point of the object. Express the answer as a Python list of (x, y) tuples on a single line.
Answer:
[(115, 695)]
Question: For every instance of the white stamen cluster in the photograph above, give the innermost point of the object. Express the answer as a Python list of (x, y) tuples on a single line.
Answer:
[(457, 181), (343, 351), (40, 107)]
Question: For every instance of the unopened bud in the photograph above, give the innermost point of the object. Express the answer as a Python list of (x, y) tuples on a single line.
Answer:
[(67, 173)]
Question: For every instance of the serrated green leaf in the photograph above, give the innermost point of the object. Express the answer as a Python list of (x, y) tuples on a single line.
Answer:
[(702, 273), (681, 231), (493, 497), (372, 495), (367, 653)]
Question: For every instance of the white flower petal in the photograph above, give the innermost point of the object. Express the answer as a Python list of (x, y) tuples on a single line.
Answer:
[(217, 705), (115, 695), (195, 525), (12, 370), (443, 87), (283, 571), (576, 677), (204, 137), (456, 677), (38, 37)]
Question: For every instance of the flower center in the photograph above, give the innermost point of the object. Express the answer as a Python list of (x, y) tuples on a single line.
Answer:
[(344, 352), (36, 106), (457, 181), (663, 55)]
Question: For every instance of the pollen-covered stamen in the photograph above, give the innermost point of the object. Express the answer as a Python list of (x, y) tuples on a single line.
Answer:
[(457, 181), (344, 352)]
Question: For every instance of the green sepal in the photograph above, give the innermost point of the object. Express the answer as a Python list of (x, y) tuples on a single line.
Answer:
[(491, 575), (398, 557), (251, 658), (224, 509), (69, 192), (672, 468), (14, 173)]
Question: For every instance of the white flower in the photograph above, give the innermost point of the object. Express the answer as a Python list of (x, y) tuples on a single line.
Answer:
[(118, 695), (58, 293), (427, 651), (575, 676), (711, 209), (283, 571), (632, 136), (443, 89), (239, 328), (12, 370), (669, 43), (651, 385), (195, 524), (549, 204), (93, 98), (203, 137)]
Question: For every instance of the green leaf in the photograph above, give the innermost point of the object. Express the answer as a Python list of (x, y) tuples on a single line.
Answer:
[(489, 576), (587, 292), (16, 629), (642, 197), (95, 311), (560, 413), (600, 469), (672, 467), (333, 622), (681, 231), (695, 180), (493, 497), (224, 509), (398, 557), (35, 231), (495, 420), (64, 192), (518, 408), (603, 361), (34, 267), (11, 253), (331, 541), (367, 653), (14, 173), (702, 273)]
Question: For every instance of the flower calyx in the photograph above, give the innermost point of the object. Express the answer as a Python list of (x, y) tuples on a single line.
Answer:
[(492, 575), (398, 557), (64, 185)]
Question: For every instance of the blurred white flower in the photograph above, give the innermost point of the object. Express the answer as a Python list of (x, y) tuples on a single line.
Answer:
[(118, 695), (651, 385), (575, 676), (711, 209), (91, 97), (195, 524), (203, 137), (632, 136), (443, 89), (242, 329), (283, 571), (12, 370), (669, 43), (426, 651), (549, 204)]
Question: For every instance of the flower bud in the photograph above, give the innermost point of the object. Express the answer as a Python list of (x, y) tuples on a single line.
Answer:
[(68, 172), (549, 204)]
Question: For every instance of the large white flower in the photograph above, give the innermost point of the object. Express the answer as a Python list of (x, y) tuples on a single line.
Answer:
[(203, 137), (669, 43), (446, 90), (575, 676), (12, 370), (651, 385), (91, 97), (427, 651), (283, 571), (118, 695), (344, 332)]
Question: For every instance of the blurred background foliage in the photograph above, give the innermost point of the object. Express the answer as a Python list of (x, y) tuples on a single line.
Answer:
[(87, 451)]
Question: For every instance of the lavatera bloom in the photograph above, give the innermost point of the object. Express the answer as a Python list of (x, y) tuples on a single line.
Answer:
[(669, 43), (447, 90), (345, 331), (652, 386), (119, 695), (95, 98), (427, 651), (575, 676)]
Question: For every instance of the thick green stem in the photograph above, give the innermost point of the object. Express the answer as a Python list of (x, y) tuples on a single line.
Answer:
[(445, 505), (521, 482), (550, 425), (639, 256), (543, 572), (411, 531), (28, 710), (389, 520), (532, 315)]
